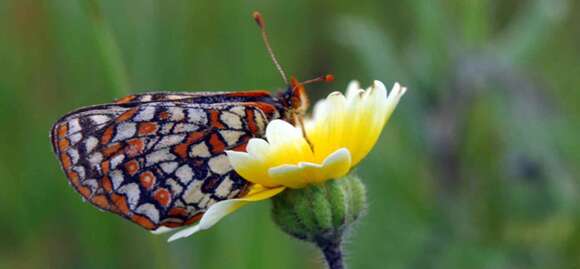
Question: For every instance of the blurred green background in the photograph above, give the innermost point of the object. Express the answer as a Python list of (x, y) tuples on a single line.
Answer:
[(478, 167)]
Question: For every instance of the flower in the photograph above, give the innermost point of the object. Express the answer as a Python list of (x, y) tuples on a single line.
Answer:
[(340, 134)]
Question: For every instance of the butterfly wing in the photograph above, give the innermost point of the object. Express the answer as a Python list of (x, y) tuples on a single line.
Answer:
[(156, 163)]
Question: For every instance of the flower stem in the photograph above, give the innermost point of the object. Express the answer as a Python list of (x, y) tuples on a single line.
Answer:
[(332, 251)]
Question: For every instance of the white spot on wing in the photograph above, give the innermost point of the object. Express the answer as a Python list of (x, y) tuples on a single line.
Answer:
[(193, 193), (233, 194), (173, 97), (197, 116), (99, 119), (184, 173), (80, 170), (166, 128), (232, 120), (146, 114), (91, 143), (92, 184), (239, 110), (205, 201), (117, 178), (178, 202), (125, 130), (224, 188), (200, 150), (231, 137), (170, 140), (191, 210), (150, 211), (219, 164), (211, 202), (185, 127), (176, 189), (96, 159), (176, 113), (115, 161), (260, 121), (159, 156), (169, 167), (75, 138), (132, 192), (152, 142), (74, 155), (74, 126)]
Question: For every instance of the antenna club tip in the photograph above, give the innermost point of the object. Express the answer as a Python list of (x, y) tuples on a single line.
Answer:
[(258, 18), (328, 78)]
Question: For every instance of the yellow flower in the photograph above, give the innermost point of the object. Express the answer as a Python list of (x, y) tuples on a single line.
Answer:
[(340, 134)]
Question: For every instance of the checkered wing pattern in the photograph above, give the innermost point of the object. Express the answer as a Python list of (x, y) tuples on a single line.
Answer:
[(154, 162)]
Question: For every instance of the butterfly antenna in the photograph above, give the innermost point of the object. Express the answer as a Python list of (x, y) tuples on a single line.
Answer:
[(324, 78), (260, 21)]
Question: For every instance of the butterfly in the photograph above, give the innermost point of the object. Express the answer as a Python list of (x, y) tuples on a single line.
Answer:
[(158, 159)]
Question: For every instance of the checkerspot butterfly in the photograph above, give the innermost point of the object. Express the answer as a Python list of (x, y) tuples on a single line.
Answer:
[(158, 158)]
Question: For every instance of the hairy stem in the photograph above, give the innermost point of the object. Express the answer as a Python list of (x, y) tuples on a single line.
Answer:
[(332, 251)]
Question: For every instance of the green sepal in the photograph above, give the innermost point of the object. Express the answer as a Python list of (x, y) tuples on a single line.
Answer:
[(322, 212)]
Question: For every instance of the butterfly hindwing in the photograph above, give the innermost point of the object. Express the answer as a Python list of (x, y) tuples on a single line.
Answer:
[(157, 163)]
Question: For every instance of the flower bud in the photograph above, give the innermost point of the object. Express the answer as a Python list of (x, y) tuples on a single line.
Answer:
[(321, 213)]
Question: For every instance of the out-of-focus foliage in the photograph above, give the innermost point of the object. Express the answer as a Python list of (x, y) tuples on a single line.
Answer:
[(478, 167)]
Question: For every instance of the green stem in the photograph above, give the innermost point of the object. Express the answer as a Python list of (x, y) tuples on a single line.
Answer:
[(108, 50)]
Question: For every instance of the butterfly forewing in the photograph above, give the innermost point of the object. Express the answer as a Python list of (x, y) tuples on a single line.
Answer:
[(158, 159)]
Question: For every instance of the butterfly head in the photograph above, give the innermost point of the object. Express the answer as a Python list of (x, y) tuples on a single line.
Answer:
[(295, 98)]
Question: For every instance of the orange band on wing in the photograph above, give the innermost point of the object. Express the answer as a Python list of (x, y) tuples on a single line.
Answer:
[(143, 221), (125, 99), (127, 115), (214, 118)]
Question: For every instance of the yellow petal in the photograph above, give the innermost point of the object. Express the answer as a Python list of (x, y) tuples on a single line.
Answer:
[(250, 168), (278, 132), (223, 208), (258, 149), (352, 89), (285, 145), (368, 114), (334, 166), (258, 193), (346, 126), (337, 164), (354, 122)]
